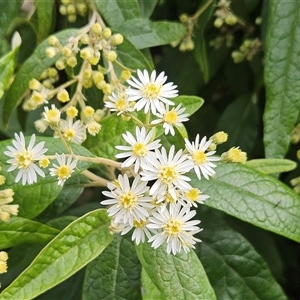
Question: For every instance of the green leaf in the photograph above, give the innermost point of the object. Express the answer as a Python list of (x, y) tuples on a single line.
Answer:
[(7, 14), (271, 165), (18, 231), (110, 135), (7, 67), (34, 198), (68, 252), (44, 14), (282, 78), (149, 290), (235, 270), (200, 50), (132, 58), (191, 103), (117, 12), (175, 276), (240, 121), (143, 33), (147, 7), (251, 196), (32, 68), (115, 274)]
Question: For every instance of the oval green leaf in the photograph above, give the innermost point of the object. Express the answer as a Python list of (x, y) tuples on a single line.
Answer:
[(68, 252), (176, 276)]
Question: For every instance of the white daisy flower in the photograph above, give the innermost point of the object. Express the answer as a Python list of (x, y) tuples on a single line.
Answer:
[(170, 118), (175, 228), (64, 169), (192, 197), (24, 158), (128, 203), (202, 160), (73, 131), (119, 103), (140, 148), (167, 170), (52, 116), (150, 91), (140, 231)]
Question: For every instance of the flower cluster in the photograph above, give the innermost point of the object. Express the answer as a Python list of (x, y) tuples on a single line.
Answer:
[(29, 160), (157, 203), (3, 264)]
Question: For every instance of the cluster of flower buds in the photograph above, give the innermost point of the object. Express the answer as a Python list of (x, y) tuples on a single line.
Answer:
[(247, 50), (224, 14), (73, 8)]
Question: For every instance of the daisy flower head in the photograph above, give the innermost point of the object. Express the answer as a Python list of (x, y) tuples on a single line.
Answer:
[(24, 158), (64, 169), (140, 149), (128, 203), (175, 228), (150, 91), (202, 160), (167, 169), (52, 116), (73, 131), (193, 196), (170, 118), (140, 231), (118, 102)]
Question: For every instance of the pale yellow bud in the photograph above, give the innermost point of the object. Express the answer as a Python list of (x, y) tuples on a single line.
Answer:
[(71, 61), (85, 39), (2, 179), (234, 154), (87, 73), (87, 83), (94, 60), (66, 51), (231, 20), (51, 52), (88, 111), (60, 64), (116, 39), (218, 22), (97, 76), (63, 95), (72, 18), (237, 56), (107, 89), (63, 9), (52, 72), (86, 53), (219, 137), (110, 55), (125, 74), (35, 84), (81, 9), (53, 41), (106, 33), (183, 18), (72, 112), (71, 9), (101, 84), (96, 29)]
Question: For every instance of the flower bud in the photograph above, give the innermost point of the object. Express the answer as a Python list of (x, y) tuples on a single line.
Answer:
[(116, 39), (106, 33)]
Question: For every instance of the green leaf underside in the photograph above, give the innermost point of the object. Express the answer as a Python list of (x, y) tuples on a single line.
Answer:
[(115, 274), (68, 252), (143, 33), (44, 13), (282, 77), (34, 198), (117, 12), (32, 68), (18, 231), (7, 66), (271, 165), (253, 197), (235, 270), (170, 276)]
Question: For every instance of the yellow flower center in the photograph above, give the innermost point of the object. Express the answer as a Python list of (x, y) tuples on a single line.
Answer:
[(128, 200), (69, 134), (151, 91), (139, 149), (169, 198), (44, 163), (24, 159), (192, 194), (63, 172), (171, 117), (38, 98), (167, 174), (121, 104), (172, 227), (139, 224), (199, 157), (52, 116)]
